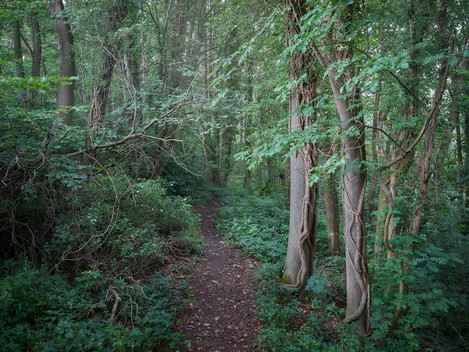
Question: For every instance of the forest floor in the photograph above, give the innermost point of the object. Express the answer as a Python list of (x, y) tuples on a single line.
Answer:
[(222, 316)]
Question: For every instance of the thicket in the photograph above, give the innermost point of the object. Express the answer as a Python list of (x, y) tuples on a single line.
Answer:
[(87, 240)]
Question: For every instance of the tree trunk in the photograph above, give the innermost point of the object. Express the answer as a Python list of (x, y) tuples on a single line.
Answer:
[(331, 200), (66, 92), (100, 91), (173, 79), (16, 38), (353, 193), (102, 83), (303, 197), (425, 163), (353, 198), (37, 51), (303, 214)]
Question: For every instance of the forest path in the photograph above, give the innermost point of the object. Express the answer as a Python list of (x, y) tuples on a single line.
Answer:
[(223, 315)]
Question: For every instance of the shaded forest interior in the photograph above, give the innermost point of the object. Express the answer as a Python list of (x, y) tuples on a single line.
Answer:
[(335, 134)]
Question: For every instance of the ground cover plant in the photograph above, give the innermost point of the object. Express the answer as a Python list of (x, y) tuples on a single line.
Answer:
[(257, 224), (99, 289), (44, 312)]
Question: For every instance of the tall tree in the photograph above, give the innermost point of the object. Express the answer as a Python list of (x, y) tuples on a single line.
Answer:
[(115, 14), (66, 92), (331, 201), (349, 108), (303, 196), (16, 38), (36, 50)]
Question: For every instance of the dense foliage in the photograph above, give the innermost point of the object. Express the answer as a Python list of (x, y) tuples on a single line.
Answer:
[(116, 116), (43, 312), (291, 325)]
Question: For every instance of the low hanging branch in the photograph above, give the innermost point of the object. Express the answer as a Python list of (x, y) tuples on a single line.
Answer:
[(142, 133), (131, 136)]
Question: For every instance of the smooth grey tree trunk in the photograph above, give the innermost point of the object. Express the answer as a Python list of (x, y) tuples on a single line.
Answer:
[(66, 91), (37, 51), (353, 198)]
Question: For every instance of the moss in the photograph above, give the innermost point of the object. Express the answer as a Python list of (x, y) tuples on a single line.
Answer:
[(286, 279)]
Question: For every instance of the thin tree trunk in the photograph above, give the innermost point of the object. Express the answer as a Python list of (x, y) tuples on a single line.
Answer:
[(16, 38), (100, 91), (173, 79), (353, 193), (425, 163), (353, 198), (102, 83), (331, 200), (37, 52)]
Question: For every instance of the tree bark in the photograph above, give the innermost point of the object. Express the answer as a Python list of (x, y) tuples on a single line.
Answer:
[(303, 196), (66, 91), (100, 91), (354, 188), (37, 51), (16, 38), (331, 200), (425, 162), (353, 198), (303, 214), (101, 85)]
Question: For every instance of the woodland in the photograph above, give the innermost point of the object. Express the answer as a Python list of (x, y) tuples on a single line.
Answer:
[(327, 141)]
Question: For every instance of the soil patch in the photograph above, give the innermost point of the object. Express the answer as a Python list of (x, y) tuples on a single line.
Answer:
[(223, 315)]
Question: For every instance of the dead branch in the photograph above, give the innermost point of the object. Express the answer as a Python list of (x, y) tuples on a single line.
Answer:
[(116, 302)]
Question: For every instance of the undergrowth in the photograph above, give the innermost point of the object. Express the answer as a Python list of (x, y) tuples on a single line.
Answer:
[(431, 303), (98, 284), (117, 225), (259, 225), (44, 312)]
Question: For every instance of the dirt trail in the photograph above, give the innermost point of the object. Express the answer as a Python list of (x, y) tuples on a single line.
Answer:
[(223, 316)]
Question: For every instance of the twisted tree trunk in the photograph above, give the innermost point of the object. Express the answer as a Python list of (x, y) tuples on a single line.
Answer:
[(303, 196)]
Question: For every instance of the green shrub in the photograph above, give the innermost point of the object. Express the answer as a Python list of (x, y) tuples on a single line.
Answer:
[(43, 312), (259, 225), (131, 225)]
